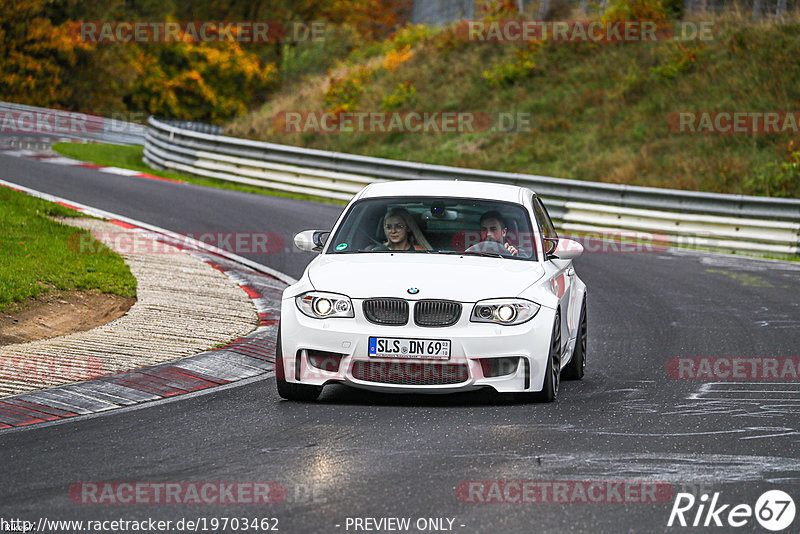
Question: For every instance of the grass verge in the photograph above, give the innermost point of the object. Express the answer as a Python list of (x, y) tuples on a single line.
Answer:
[(37, 253), (130, 157)]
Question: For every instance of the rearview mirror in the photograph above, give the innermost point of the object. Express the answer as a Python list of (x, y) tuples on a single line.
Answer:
[(311, 240)]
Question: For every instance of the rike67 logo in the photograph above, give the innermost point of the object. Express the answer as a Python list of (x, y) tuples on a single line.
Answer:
[(774, 510)]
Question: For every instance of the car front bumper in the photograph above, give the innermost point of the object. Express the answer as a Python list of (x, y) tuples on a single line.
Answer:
[(335, 350)]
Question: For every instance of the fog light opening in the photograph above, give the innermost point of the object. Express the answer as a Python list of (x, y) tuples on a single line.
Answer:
[(325, 361), (494, 367)]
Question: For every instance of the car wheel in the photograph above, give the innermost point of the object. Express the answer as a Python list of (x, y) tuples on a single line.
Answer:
[(289, 390), (577, 365), (552, 377)]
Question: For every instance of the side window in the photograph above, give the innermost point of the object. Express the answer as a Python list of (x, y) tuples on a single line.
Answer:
[(546, 228), (546, 224)]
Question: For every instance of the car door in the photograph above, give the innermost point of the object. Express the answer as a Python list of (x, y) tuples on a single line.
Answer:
[(560, 273)]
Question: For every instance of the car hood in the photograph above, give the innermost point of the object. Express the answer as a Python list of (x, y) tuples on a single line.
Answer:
[(460, 278)]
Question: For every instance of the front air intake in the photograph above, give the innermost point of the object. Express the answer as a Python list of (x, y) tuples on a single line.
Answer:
[(410, 373)]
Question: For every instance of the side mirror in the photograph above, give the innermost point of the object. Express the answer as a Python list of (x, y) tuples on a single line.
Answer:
[(568, 249), (311, 240), (550, 246)]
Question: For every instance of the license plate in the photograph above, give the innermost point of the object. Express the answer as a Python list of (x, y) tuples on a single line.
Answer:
[(394, 347)]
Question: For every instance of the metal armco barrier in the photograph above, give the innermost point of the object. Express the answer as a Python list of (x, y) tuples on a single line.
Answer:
[(737, 223), (22, 119)]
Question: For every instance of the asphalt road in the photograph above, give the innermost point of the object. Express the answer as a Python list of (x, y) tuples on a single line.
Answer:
[(359, 455)]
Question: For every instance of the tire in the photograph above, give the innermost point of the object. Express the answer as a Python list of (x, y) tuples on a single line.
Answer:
[(289, 390), (552, 378), (298, 392), (577, 365)]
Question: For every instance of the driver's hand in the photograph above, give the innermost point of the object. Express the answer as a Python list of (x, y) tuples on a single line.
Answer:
[(511, 249)]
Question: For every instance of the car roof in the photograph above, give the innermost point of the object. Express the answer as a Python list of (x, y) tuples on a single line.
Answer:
[(445, 188)]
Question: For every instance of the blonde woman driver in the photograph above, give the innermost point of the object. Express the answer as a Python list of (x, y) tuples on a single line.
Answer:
[(402, 233)]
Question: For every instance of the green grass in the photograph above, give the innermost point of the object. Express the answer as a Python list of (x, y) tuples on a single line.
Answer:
[(599, 111), (130, 157), (37, 253)]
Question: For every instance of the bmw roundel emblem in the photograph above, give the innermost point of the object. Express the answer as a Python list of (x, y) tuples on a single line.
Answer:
[(413, 290)]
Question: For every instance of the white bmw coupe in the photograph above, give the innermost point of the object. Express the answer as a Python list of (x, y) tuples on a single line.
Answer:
[(435, 287)]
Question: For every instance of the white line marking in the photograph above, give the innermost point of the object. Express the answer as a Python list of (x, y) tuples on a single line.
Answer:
[(121, 172), (63, 161), (19, 153)]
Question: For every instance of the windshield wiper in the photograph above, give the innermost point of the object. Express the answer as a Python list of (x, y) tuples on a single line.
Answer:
[(373, 251), (485, 254), (488, 254)]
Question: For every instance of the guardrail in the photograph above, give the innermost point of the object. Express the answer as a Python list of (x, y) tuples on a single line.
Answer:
[(707, 220), (22, 119)]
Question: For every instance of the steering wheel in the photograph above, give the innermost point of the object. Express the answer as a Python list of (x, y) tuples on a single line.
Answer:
[(492, 247)]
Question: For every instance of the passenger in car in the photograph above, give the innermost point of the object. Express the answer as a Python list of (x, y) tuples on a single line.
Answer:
[(493, 229), (402, 232)]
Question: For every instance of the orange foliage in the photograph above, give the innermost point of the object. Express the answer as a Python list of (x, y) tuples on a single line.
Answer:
[(208, 82), (36, 58), (396, 57), (373, 19), (43, 62), (48, 65)]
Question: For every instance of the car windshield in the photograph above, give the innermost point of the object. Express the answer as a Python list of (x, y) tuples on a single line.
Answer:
[(435, 225)]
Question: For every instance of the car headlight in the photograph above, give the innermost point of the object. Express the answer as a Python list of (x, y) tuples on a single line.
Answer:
[(504, 311), (321, 305)]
